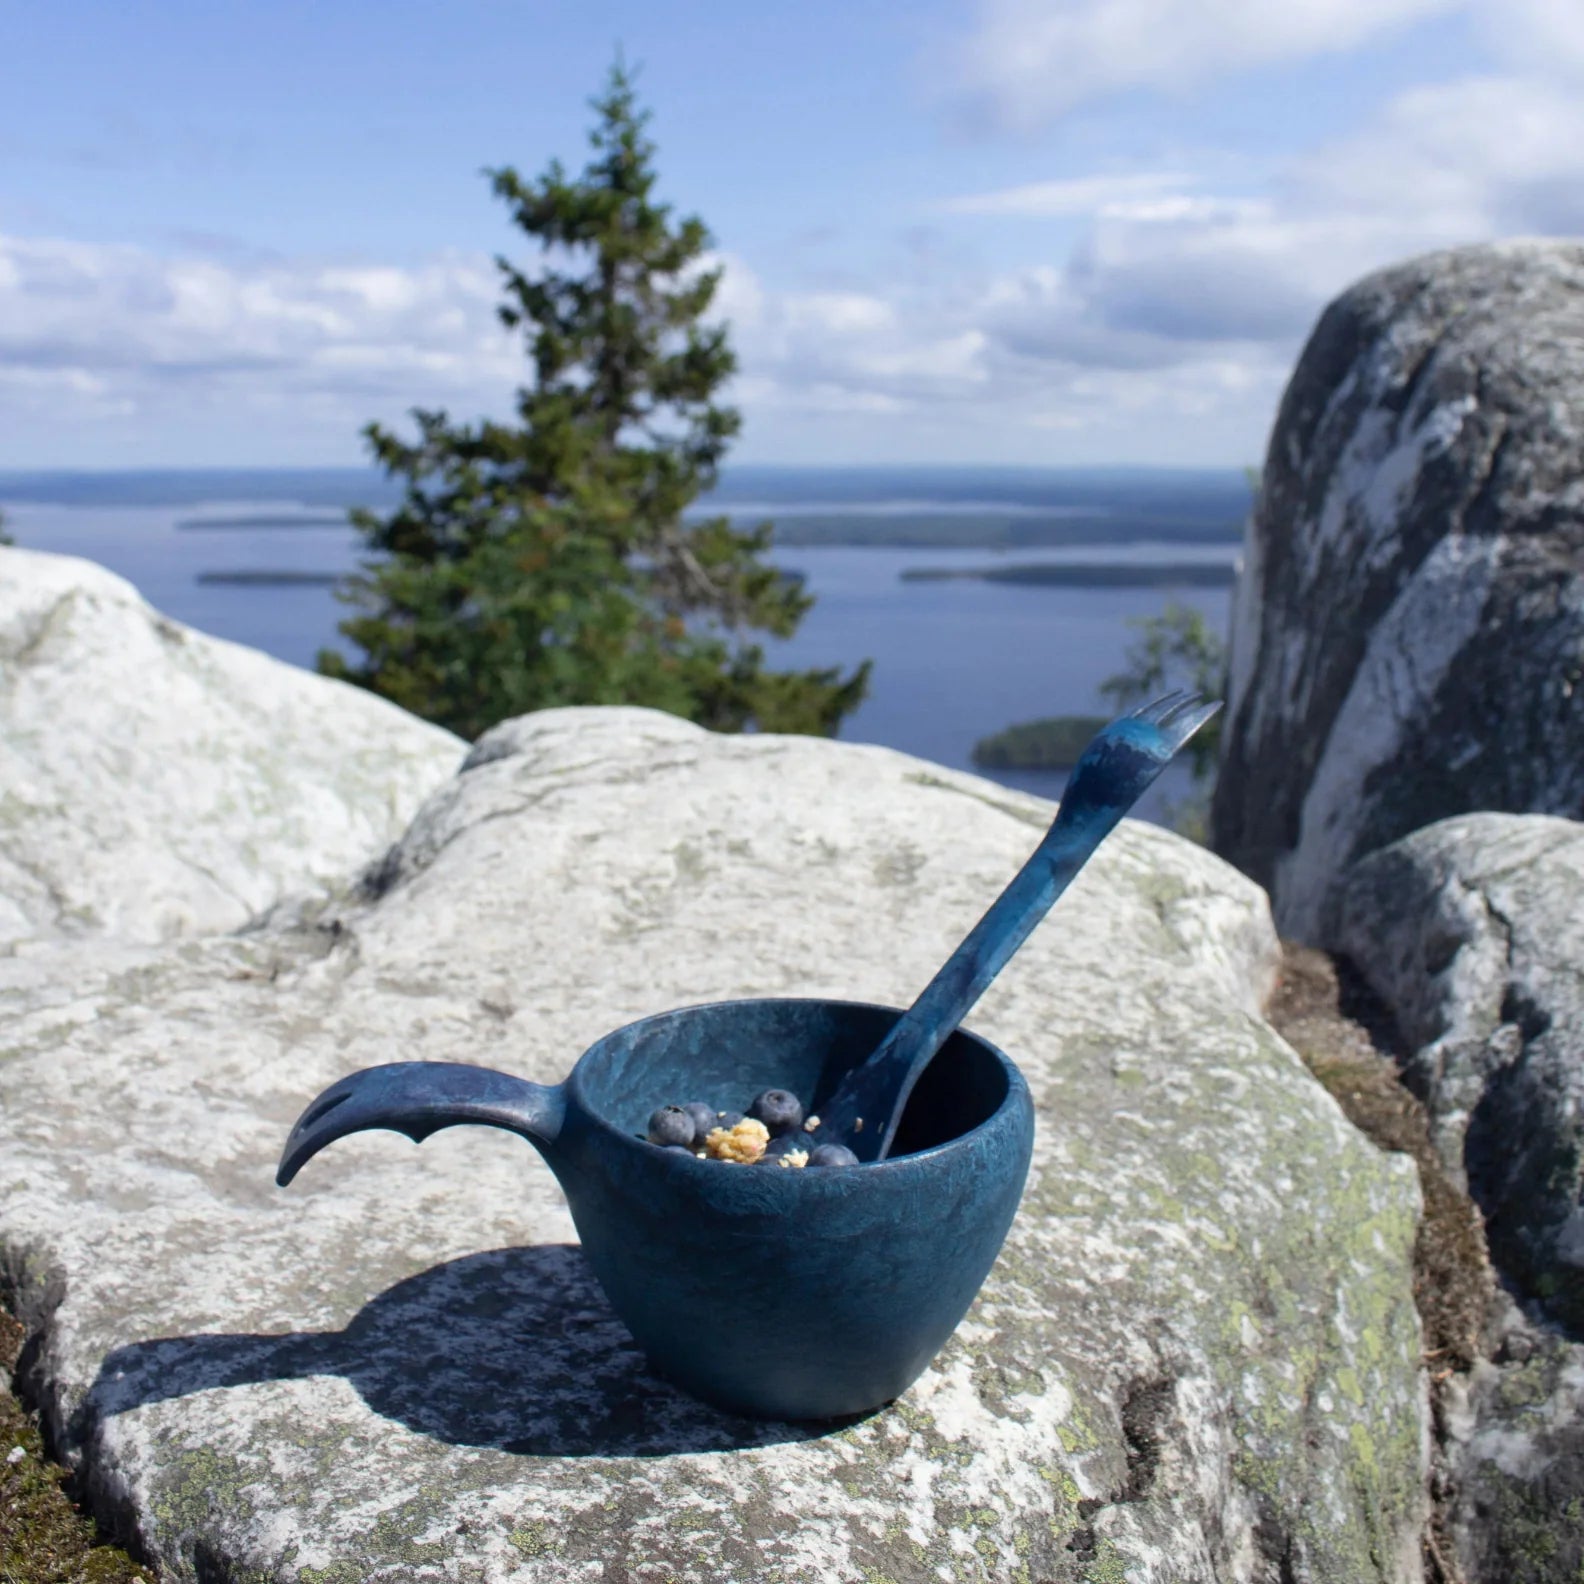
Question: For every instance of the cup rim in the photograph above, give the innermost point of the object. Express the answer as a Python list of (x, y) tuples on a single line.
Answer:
[(671, 1158)]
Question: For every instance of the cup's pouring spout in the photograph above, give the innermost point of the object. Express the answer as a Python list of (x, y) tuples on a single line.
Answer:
[(420, 1098)]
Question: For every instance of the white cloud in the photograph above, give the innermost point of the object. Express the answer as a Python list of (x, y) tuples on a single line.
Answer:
[(1481, 156), (1181, 206), (1017, 366), (1440, 166), (91, 333), (1545, 36), (841, 351), (1081, 195), (1175, 280), (837, 313), (89, 330), (1030, 60)]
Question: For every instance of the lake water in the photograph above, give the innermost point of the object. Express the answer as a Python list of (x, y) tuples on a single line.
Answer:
[(954, 659)]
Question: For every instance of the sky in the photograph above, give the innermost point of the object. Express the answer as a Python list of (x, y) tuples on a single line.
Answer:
[(1033, 232)]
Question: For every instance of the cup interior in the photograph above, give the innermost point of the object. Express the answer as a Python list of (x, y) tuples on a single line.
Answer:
[(727, 1052)]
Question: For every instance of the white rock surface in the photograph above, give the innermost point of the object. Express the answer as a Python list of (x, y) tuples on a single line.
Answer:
[(1197, 1358), (157, 782)]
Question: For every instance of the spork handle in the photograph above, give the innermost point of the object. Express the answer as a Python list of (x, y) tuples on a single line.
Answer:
[(420, 1098)]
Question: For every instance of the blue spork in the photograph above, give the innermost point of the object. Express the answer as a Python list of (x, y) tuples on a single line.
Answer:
[(1113, 772)]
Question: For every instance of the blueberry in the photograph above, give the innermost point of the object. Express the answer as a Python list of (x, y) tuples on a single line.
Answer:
[(727, 1119), (704, 1121), (832, 1155), (779, 1110), (671, 1125)]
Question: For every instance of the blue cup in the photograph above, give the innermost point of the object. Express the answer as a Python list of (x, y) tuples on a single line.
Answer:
[(775, 1292)]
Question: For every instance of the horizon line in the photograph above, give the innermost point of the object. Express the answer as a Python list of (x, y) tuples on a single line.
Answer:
[(7, 471)]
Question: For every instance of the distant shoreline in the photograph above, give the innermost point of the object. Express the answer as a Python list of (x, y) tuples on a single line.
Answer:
[(928, 504), (923, 530), (994, 509), (1088, 574)]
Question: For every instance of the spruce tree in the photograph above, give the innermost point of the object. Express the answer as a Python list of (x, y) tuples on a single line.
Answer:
[(548, 561)]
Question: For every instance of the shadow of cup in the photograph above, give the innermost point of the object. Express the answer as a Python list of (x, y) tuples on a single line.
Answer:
[(514, 1350)]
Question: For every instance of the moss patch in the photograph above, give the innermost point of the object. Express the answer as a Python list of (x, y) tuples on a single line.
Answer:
[(1323, 1009), (44, 1537), (1325, 1013)]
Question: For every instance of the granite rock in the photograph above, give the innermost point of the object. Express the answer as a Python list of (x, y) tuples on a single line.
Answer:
[(1198, 1356), (1408, 632), (1516, 1445), (157, 782), (1470, 931)]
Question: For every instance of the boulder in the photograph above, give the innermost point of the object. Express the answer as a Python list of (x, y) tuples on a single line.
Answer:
[(1408, 632), (1198, 1356), (1516, 1458), (1470, 932), (157, 782)]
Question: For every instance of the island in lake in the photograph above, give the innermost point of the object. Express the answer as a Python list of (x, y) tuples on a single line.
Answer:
[(266, 579), (1091, 574), (1053, 744)]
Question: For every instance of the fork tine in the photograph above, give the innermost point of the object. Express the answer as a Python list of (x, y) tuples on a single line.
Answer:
[(1165, 701), (1183, 727), (1188, 701), (1157, 709)]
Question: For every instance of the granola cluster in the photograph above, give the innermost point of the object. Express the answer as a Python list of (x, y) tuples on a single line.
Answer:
[(744, 1143)]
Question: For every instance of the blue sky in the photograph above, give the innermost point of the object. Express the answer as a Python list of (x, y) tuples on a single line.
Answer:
[(1021, 231)]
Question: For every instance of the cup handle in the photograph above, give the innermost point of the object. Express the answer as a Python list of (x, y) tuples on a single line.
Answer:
[(420, 1098)]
